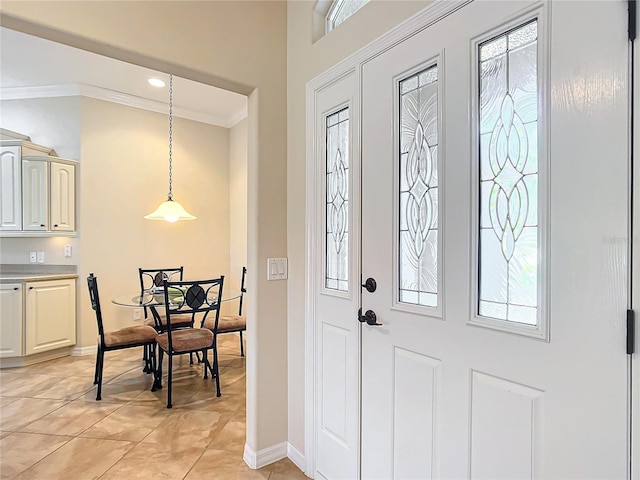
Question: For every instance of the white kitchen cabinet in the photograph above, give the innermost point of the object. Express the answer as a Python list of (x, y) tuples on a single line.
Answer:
[(11, 320), (63, 199), (50, 315), (11, 193), (35, 195)]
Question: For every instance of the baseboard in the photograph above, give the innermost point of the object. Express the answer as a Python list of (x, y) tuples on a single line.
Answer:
[(296, 457), (13, 362), (265, 456), (80, 351)]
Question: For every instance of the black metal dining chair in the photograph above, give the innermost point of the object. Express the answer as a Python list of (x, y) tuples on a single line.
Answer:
[(128, 337), (232, 323), (152, 282), (193, 298)]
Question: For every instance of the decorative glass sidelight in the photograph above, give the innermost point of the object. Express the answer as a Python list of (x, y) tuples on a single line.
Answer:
[(418, 192), (337, 201), (508, 238)]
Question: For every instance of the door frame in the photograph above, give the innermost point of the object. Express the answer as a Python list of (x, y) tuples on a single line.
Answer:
[(633, 251), (314, 207)]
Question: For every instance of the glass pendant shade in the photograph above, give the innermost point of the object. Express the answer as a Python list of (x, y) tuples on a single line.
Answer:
[(170, 210)]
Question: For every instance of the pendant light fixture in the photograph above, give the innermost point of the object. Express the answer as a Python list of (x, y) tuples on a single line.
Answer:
[(170, 210)]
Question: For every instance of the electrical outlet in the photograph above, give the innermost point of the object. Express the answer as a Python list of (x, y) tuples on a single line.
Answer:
[(67, 250), (40, 257), (32, 257), (137, 314)]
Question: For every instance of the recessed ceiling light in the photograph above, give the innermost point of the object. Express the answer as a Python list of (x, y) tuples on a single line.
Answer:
[(156, 82)]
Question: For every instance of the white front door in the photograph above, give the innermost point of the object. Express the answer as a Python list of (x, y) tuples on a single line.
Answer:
[(494, 221)]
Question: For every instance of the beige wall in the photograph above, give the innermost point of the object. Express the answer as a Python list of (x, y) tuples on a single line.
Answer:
[(236, 45), (306, 60), (124, 177), (237, 202)]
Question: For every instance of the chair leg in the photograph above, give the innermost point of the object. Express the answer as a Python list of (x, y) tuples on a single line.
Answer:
[(146, 357), (152, 359), (95, 373), (157, 384), (216, 366), (100, 363), (207, 367), (170, 366), (241, 345)]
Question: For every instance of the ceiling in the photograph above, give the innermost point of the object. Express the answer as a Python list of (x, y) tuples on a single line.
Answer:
[(31, 67)]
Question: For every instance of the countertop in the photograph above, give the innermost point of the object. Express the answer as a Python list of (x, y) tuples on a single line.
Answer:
[(10, 273)]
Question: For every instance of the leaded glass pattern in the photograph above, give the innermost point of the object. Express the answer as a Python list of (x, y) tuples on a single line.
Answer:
[(508, 243), (337, 201), (341, 10), (418, 189)]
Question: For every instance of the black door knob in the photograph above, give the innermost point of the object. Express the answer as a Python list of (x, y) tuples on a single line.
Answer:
[(369, 317), (370, 285)]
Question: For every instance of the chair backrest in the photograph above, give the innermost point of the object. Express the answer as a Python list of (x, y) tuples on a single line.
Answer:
[(193, 297), (243, 290), (92, 282), (154, 278)]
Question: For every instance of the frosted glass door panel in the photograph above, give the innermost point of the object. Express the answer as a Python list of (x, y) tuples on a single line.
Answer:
[(337, 198), (418, 192), (508, 259)]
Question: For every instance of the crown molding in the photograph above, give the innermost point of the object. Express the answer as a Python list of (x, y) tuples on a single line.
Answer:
[(77, 89)]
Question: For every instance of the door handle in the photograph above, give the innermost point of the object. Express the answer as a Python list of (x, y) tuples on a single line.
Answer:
[(369, 317), (370, 285)]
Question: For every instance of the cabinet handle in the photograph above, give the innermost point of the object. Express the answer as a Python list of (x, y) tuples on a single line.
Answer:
[(15, 288), (56, 225), (42, 224), (30, 288)]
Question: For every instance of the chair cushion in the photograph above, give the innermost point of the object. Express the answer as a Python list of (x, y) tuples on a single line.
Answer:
[(186, 340), (130, 336), (227, 323), (177, 321)]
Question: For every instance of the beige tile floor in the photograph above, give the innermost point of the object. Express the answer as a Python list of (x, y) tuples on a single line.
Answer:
[(51, 426)]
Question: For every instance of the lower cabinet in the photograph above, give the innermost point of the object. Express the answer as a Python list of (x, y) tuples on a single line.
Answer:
[(49, 315), (37, 317), (11, 320)]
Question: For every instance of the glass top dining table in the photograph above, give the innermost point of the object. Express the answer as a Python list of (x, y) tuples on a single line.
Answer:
[(156, 298)]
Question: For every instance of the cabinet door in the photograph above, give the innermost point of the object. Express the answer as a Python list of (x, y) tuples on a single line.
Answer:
[(10, 320), (11, 193), (63, 197), (50, 315), (35, 195)]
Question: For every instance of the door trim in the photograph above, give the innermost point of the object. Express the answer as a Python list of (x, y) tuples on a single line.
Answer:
[(354, 63)]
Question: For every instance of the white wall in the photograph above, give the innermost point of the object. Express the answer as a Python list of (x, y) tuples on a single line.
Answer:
[(305, 60)]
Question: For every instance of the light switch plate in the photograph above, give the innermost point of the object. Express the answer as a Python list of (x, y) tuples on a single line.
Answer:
[(277, 269), (33, 257), (67, 250)]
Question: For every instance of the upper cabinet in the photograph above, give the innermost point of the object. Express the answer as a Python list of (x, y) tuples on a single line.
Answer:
[(11, 194), (37, 195), (63, 196)]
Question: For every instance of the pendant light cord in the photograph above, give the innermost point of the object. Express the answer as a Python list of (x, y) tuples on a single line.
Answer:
[(170, 195)]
